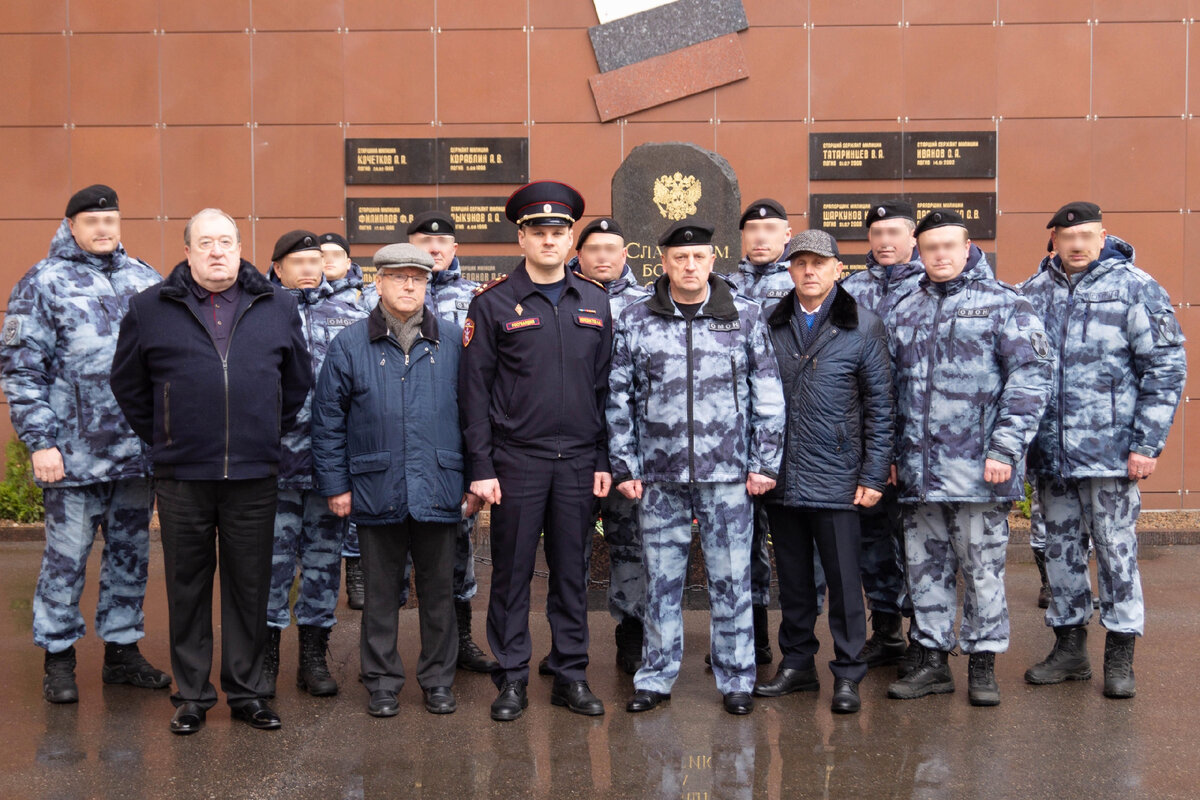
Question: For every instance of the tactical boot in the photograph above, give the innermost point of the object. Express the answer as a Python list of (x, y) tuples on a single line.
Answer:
[(886, 645), (59, 684), (271, 662), (470, 657), (982, 689), (1118, 665), (931, 675), (629, 645), (912, 654), (313, 675), (356, 583), (762, 637), (1044, 595), (124, 663), (1068, 660)]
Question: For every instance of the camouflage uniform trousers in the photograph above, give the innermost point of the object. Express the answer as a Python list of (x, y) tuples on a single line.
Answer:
[(121, 510), (1106, 511), (465, 586), (881, 556), (724, 513), (309, 534), (939, 539), (1037, 518), (626, 577)]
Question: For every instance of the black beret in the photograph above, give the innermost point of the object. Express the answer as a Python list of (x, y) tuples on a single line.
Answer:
[(940, 218), (544, 203), (762, 208), (890, 209), (602, 225), (336, 238), (96, 197), (1073, 214), (686, 232), (433, 222), (295, 242)]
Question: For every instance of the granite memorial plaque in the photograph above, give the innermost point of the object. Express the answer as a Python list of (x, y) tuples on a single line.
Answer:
[(664, 29), (950, 154), (479, 219), (843, 214), (483, 160), (383, 220), (659, 184), (482, 269), (978, 209), (389, 161), (854, 156)]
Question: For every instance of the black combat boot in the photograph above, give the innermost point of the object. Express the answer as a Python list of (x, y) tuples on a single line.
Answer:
[(629, 645), (356, 583), (912, 653), (271, 662), (59, 684), (982, 689), (931, 675), (886, 645), (1068, 660), (313, 675), (1044, 595), (762, 637), (124, 663), (470, 657), (1118, 665)]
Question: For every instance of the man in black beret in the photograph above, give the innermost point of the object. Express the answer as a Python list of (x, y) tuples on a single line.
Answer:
[(532, 384)]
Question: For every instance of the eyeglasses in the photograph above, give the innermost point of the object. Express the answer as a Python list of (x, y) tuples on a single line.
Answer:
[(225, 243), (405, 280)]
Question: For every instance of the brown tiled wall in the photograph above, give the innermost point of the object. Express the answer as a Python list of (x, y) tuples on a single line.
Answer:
[(245, 104)]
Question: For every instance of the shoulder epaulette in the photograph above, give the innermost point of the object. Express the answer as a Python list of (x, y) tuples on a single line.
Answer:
[(496, 281), (589, 280), (1008, 286)]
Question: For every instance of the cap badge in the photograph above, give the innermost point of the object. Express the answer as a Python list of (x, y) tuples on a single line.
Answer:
[(1070, 216), (102, 202), (688, 236), (881, 211), (603, 224), (547, 208), (762, 211), (433, 226), (308, 241)]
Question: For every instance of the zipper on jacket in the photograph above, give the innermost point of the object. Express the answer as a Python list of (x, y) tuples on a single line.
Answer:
[(733, 373), (562, 378), (167, 411), (937, 318), (691, 424), (1062, 346)]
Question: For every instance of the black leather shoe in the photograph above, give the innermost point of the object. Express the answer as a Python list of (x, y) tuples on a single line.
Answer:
[(544, 667), (646, 700), (383, 704), (257, 714), (440, 700), (845, 697), (510, 703), (189, 718), (788, 680), (739, 703), (577, 697)]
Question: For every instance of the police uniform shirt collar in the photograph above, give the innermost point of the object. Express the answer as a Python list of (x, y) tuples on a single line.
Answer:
[(523, 286)]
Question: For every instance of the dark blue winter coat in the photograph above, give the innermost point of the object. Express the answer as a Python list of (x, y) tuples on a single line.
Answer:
[(385, 423)]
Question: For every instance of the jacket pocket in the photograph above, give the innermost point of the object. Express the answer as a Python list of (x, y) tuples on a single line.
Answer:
[(369, 487), (449, 480), (734, 377), (167, 412), (78, 410), (369, 462)]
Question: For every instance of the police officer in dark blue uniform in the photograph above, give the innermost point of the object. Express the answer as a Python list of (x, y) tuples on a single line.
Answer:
[(532, 386)]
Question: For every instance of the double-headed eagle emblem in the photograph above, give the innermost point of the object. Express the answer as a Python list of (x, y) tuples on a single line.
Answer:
[(676, 195)]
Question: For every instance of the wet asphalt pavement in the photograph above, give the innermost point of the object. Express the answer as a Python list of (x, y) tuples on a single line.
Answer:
[(1064, 741)]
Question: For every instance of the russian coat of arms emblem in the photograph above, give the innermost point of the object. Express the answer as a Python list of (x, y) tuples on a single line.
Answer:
[(676, 195)]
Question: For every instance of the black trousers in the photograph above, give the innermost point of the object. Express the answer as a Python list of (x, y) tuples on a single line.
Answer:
[(385, 550), (834, 534), (206, 523), (555, 496)]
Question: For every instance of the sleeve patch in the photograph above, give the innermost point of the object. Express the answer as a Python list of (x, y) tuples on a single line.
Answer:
[(12, 331)]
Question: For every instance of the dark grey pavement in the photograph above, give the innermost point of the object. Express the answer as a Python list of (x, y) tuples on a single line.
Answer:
[(1063, 741)]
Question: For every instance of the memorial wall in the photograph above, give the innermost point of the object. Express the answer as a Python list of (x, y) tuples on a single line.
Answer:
[(354, 115)]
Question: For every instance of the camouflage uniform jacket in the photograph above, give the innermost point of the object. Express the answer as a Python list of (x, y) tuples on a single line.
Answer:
[(622, 291), (349, 289), (878, 292), (450, 293), (59, 337), (322, 317), (695, 401), (1121, 365), (973, 369), (765, 285)]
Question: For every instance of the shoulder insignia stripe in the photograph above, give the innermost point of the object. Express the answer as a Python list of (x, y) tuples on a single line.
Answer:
[(496, 281)]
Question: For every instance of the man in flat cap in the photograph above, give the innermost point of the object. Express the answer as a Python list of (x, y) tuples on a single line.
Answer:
[(762, 276), (308, 535), (59, 335), (695, 420), (533, 379), (388, 452), (892, 272), (972, 371), (837, 454), (210, 368), (1122, 369), (600, 256)]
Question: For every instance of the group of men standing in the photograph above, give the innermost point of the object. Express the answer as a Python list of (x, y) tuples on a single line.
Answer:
[(876, 428)]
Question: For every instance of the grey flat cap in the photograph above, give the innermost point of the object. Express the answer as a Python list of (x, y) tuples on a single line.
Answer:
[(813, 240), (394, 256)]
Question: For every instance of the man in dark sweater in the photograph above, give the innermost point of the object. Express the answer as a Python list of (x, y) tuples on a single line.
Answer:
[(210, 368)]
